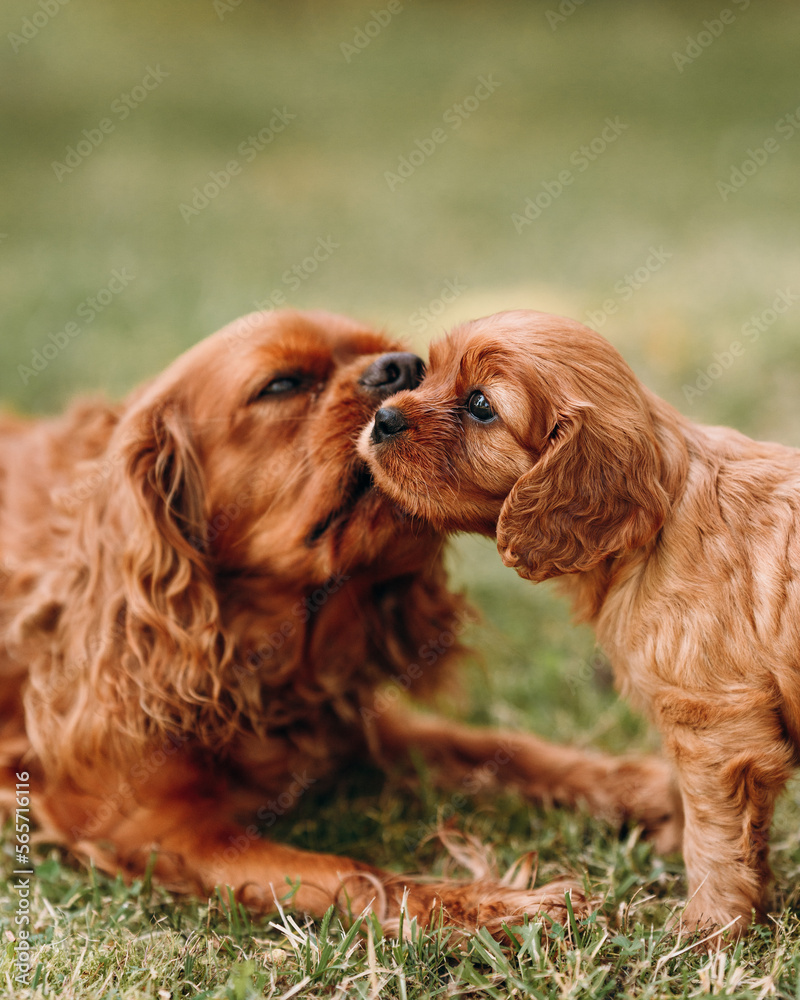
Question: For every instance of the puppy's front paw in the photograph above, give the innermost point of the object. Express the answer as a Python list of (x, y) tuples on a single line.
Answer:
[(709, 924)]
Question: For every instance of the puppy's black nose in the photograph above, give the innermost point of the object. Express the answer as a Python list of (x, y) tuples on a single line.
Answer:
[(393, 372), (388, 422)]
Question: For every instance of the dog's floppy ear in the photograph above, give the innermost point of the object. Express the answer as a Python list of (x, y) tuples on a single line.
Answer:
[(593, 492), (165, 565), (138, 647)]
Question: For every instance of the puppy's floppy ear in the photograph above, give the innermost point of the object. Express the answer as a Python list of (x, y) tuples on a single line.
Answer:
[(594, 491)]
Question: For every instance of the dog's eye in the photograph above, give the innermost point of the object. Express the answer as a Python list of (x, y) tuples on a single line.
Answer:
[(280, 385), (479, 407), (285, 384)]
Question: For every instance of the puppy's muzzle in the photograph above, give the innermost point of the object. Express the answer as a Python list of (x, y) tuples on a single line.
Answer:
[(388, 422), (392, 373)]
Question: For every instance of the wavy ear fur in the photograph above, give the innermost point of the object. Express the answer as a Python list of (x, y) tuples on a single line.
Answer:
[(166, 575), (173, 621), (123, 635), (595, 491)]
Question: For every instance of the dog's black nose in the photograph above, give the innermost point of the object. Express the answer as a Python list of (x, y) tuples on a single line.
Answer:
[(393, 372), (388, 422)]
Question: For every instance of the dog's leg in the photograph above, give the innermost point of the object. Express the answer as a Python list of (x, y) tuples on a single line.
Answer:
[(733, 760), (638, 788), (198, 847)]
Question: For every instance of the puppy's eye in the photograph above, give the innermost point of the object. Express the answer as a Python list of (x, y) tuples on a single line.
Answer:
[(479, 407), (278, 386)]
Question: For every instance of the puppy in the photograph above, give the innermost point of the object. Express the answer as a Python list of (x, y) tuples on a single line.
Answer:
[(202, 600), (679, 543)]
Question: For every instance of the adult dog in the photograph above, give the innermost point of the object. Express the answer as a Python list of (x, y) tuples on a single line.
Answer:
[(202, 594), (680, 543)]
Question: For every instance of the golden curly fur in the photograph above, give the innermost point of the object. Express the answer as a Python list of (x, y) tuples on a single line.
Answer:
[(202, 596), (679, 542)]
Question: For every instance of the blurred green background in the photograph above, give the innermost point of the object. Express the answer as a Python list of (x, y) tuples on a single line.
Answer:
[(116, 114)]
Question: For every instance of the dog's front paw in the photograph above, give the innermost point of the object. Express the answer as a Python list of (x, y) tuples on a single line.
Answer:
[(487, 901), (490, 904)]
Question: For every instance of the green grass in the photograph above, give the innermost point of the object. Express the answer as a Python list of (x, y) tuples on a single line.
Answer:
[(654, 186), (96, 937)]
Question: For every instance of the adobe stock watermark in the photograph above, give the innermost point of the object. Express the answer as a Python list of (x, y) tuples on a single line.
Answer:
[(23, 886), (698, 44), (421, 319), (139, 773), (45, 11), (301, 613), (224, 7), (582, 158), (267, 815), (786, 127), (86, 312), (121, 108), (218, 180), (226, 516), (628, 285), (591, 670), (363, 36), (751, 331), (99, 472), (293, 277), (8, 567), (80, 490), (429, 653), (482, 776), (564, 10), (454, 117)]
